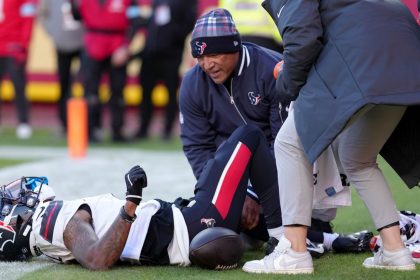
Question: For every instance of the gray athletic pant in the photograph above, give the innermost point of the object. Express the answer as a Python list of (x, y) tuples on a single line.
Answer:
[(356, 148)]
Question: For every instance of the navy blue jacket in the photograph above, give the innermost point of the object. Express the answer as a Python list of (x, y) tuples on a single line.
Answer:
[(209, 113)]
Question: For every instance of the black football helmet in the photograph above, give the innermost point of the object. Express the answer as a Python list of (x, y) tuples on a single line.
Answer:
[(18, 201)]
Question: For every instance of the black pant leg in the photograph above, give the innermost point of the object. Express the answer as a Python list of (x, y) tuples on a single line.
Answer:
[(148, 79), (3, 68), (117, 79), (92, 82), (221, 189), (17, 72), (169, 69), (263, 172), (64, 61)]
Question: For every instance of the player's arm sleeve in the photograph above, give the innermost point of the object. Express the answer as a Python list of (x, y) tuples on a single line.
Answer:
[(299, 24), (277, 114), (197, 136)]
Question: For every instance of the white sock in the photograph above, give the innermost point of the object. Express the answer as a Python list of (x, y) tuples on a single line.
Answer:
[(276, 232), (329, 239)]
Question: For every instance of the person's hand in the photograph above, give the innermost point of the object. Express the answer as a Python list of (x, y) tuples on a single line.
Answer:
[(250, 213), (135, 180), (277, 69), (120, 56)]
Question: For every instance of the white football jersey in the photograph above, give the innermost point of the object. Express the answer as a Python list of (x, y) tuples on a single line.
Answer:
[(51, 218)]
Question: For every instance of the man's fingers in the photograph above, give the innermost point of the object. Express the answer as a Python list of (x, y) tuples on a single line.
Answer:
[(255, 220)]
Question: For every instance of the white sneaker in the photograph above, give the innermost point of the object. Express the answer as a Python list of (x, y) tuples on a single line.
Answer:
[(23, 131), (398, 260), (283, 260)]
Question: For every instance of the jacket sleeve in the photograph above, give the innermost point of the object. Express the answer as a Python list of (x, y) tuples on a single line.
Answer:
[(278, 112), (197, 136), (300, 26)]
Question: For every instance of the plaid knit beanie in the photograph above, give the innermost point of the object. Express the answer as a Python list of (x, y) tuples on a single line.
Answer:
[(213, 33)]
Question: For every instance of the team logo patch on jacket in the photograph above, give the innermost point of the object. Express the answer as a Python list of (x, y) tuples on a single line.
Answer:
[(254, 98)]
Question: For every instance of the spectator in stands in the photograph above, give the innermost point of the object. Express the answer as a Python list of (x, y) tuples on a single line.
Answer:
[(171, 22), (253, 23), (16, 20), (66, 33)]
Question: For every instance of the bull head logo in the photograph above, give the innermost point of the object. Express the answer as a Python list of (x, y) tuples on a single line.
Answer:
[(254, 98), (208, 222), (201, 46), (7, 234)]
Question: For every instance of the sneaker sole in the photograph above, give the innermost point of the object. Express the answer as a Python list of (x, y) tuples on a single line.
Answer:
[(283, 271), (387, 267)]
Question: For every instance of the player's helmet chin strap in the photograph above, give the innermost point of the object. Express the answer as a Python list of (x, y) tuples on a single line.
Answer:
[(33, 249), (8, 218)]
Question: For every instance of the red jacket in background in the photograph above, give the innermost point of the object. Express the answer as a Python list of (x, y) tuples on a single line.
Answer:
[(16, 20), (106, 26)]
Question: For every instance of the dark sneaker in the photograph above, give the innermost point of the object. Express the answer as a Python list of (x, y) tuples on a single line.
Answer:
[(354, 243), (271, 244), (250, 243), (316, 250), (321, 226)]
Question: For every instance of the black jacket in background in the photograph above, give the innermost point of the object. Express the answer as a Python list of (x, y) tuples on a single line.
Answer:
[(170, 37)]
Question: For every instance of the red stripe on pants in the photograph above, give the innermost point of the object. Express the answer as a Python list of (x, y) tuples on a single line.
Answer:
[(231, 176)]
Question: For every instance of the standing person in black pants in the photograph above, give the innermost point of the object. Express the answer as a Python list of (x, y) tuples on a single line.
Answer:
[(171, 22), (109, 30), (67, 35), (16, 20)]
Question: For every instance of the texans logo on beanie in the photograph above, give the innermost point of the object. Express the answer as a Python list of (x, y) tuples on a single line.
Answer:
[(215, 32)]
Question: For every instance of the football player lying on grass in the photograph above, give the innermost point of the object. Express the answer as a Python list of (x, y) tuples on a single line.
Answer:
[(99, 231)]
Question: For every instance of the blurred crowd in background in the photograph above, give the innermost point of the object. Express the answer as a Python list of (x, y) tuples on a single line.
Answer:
[(114, 53)]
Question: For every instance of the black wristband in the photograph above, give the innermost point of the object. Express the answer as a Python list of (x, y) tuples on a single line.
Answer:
[(136, 199), (127, 218)]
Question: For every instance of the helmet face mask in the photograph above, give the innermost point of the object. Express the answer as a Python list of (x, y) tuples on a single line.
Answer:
[(18, 201)]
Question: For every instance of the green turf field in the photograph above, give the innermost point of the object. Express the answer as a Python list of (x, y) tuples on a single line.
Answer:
[(49, 138), (330, 266)]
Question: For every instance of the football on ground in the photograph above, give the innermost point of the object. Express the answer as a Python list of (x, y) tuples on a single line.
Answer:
[(216, 248)]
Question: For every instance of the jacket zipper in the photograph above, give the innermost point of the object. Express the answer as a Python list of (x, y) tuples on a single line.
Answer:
[(232, 101)]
